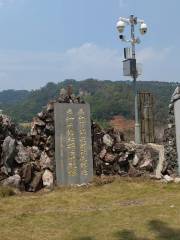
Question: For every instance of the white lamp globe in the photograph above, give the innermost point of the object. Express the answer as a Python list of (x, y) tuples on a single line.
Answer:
[(120, 26), (143, 28)]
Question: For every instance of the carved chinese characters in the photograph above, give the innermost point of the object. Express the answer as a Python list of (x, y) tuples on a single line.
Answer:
[(70, 144), (83, 142), (73, 147)]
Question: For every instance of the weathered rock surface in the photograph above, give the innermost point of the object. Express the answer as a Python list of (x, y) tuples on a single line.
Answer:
[(13, 181), (8, 153), (112, 155), (168, 178), (36, 183), (48, 179)]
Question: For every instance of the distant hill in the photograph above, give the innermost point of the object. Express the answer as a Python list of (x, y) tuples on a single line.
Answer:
[(107, 98), (13, 96)]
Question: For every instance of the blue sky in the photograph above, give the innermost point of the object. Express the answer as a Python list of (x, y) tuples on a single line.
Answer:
[(53, 40)]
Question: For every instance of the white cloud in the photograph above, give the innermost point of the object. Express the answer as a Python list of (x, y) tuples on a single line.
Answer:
[(93, 61), (151, 54), (34, 69)]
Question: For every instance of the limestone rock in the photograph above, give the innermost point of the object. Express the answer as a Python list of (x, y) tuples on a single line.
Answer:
[(8, 152), (26, 173), (107, 140), (45, 161), (109, 157), (102, 153), (13, 181), (47, 179), (22, 155), (119, 147), (39, 122), (36, 183), (177, 180), (135, 160), (50, 106), (168, 178)]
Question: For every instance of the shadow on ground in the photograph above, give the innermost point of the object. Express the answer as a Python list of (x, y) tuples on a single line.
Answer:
[(161, 230)]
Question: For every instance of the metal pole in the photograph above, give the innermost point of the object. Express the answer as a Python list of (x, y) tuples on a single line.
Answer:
[(137, 125)]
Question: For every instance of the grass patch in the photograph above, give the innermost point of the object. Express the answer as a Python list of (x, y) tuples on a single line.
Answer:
[(123, 209), (6, 192)]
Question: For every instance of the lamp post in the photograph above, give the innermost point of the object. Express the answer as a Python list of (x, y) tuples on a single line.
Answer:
[(129, 64)]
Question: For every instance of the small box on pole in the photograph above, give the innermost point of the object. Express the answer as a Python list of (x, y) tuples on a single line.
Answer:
[(129, 67), (127, 53)]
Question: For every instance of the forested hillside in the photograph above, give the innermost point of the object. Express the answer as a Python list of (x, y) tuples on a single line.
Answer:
[(13, 96), (107, 98)]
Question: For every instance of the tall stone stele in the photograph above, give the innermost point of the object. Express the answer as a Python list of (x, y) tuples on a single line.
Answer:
[(172, 135), (73, 145), (177, 124)]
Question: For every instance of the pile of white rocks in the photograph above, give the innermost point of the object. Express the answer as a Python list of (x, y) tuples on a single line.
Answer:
[(21, 166), (113, 156)]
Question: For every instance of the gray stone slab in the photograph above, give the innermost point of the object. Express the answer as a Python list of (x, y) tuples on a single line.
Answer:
[(177, 122), (73, 145), (159, 167)]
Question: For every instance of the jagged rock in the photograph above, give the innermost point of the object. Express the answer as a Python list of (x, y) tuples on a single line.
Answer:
[(109, 158), (117, 157), (123, 159), (50, 106), (147, 164), (22, 155), (107, 140), (13, 181), (8, 152), (177, 180), (62, 95), (35, 153), (118, 136), (176, 95), (133, 172), (39, 122), (4, 171), (26, 173), (45, 161), (119, 147), (49, 129), (41, 115), (135, 160), (27, 140), (102, 153), (47, 179), (33, 129), (36, 183), (159, 167), (168, 178)]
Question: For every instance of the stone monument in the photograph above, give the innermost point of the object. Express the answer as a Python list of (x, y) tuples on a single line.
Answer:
[(73, 146), (177, 123)]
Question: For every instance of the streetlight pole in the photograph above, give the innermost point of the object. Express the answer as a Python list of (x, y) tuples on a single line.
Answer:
[(136, 110), (131, 61)]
